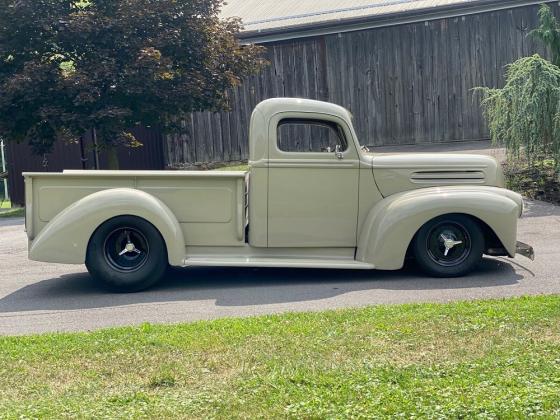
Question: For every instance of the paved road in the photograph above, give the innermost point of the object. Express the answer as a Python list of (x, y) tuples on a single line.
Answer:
[(37, 297)]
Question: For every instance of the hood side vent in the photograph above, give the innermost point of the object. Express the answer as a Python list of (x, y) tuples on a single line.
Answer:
[(447, 177)]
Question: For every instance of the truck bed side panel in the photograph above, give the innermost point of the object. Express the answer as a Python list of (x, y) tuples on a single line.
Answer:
[(207, 208)]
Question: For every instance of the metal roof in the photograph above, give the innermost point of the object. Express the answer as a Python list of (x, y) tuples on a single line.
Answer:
[(262, 18)]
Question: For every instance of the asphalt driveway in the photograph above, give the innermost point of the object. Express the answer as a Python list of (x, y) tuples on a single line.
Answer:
[(37, 297)]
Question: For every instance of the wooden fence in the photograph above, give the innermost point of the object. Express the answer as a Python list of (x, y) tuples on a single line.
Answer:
[(406, 84), (68, 156), (3, 175)]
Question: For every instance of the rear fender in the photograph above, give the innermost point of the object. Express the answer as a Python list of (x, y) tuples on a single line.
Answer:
[(65, 238), (392, 223)]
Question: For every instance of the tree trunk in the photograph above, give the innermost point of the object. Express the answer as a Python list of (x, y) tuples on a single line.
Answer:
[(112, 158)]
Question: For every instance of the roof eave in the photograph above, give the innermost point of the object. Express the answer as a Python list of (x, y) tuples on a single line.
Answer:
[(370, 22)]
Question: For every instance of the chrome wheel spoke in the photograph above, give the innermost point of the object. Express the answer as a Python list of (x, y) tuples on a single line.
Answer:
[(448, 244), (126, 249)]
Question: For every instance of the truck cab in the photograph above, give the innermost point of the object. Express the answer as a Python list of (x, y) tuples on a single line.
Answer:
[(312, 197), (306, 161)]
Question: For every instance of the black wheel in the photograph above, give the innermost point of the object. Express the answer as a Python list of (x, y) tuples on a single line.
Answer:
[(127, 254), (449, 246)]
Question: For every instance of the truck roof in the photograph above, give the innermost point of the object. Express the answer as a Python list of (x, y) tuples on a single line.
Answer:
[(266, 110), (273, 106)]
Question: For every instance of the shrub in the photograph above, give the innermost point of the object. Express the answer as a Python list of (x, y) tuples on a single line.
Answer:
[(524, 115)]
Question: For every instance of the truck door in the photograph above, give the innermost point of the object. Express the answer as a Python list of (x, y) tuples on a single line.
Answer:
[(313, 182)]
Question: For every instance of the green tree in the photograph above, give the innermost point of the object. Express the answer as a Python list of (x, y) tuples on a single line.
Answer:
[(548, 32), (67, 66), (524, 115)]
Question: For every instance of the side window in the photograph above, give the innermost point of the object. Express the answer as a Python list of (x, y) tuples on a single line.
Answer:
[(315, 136)]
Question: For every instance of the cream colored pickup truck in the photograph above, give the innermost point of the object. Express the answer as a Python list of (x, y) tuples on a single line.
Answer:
[(334, 206)]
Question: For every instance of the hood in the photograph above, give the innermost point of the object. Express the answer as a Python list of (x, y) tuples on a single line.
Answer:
[(403, 172)]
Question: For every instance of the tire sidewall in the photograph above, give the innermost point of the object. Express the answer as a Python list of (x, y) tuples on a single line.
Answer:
[(430, 266), (148, 274)]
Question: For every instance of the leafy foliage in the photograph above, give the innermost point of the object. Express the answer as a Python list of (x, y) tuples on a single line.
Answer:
[(524, 115), (68, 66), (548, 32), (538, 182)]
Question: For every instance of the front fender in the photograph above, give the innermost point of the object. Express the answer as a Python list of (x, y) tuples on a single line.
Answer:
[(392, 223), (65, 238)]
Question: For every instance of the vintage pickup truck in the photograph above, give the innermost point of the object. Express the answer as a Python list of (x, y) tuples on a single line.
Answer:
[(334, 206)]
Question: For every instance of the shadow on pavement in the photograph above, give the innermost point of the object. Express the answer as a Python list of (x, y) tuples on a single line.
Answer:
[(534, 208), (11, 221), (245, 286)]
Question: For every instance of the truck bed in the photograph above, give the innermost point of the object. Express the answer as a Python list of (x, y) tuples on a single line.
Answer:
[(209, 205)]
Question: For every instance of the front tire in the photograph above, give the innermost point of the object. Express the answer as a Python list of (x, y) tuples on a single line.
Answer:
[(449, 246), (127, 254)]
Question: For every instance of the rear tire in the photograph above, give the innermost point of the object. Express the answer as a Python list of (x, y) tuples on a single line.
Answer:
[(449, 246), (127, 254)]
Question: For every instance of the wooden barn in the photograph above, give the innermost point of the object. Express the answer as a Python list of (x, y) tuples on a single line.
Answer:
[(404, 68)]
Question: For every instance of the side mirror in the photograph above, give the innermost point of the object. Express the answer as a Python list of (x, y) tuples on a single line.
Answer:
[(338, 152)]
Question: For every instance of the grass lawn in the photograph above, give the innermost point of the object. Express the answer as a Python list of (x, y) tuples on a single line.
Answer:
[(12, 212), (483, 359), (6, 210), (234, 168)]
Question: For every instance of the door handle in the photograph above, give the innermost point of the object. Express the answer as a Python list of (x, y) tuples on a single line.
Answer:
[(338, 153)]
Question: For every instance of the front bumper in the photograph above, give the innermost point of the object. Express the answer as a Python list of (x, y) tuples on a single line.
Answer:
[(525, 250)]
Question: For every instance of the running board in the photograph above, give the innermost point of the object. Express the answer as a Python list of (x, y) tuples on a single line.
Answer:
[(275, 262)]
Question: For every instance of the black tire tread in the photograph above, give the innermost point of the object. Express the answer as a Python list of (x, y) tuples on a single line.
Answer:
[(148, 275), (433, 269)]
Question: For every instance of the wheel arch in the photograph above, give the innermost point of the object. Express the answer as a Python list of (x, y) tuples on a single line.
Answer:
[(66, 237), (491, 240), (392, 224)]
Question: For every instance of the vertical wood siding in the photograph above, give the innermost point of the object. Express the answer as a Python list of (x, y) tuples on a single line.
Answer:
[(297, 69), (406, 84), (68, 156)]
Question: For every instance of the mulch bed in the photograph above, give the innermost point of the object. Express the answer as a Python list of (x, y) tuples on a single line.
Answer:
[(206, 166), (538, 183)]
